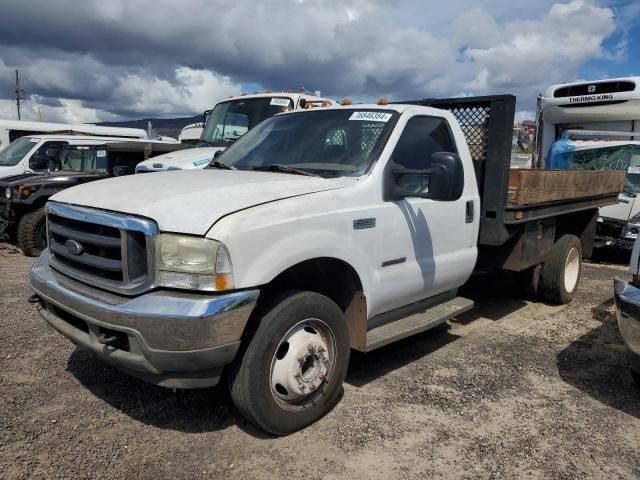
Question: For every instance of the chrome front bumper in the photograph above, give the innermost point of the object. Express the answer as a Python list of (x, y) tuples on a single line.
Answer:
[(627, 299), (172, 339)]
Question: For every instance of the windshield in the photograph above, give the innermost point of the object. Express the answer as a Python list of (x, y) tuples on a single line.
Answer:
[(324, 142), (620, 157), (228, 121), (84, 160), (15, 152)]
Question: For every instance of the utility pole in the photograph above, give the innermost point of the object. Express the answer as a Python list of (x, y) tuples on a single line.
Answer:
[(19, 92)]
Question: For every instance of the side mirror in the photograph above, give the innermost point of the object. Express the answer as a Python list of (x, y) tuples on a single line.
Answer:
[(217, 154), (443, 180), (121, 171), (205, 116)]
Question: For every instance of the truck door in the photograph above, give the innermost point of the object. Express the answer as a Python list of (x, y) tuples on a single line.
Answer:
[(428, 246)]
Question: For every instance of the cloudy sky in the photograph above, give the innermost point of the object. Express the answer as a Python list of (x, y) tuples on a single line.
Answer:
[(98, 60)]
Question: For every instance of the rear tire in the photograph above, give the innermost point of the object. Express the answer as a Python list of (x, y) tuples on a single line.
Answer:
[(560, 274), (32, 233), (291, 371)]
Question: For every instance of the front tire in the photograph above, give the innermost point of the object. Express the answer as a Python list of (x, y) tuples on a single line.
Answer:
[(32, 238), (560, 274), (292, 369)]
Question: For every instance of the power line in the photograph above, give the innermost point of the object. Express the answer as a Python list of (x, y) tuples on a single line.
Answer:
[(19, 92)]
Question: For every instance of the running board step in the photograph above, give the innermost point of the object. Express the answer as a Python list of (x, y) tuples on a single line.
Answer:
[(417, 323)]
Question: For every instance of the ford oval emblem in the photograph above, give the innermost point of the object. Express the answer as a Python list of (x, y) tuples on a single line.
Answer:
[(73, 247)]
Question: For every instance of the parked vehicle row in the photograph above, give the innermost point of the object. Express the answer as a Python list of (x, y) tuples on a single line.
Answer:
[(315, 232), (227, 122), (64, 161)]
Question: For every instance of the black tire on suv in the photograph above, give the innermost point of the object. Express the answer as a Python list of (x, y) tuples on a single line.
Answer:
[(32, 238)]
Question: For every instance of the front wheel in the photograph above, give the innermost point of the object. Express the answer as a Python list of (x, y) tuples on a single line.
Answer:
[(560, 274), (32, 233), (292, 369)]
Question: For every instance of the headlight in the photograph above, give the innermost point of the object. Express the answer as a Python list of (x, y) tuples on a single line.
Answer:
[(635, 218), (7, 193), (193, 263)]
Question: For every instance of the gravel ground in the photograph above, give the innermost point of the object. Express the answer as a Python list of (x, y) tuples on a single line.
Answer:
[(509, 390)]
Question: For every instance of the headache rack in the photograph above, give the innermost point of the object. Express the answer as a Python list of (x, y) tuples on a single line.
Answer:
[(512, 198)]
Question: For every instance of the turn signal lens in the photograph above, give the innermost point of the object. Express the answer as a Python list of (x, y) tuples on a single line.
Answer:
[(223, 281)]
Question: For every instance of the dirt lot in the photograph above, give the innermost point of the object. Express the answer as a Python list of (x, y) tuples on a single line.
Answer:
[(512, 390)]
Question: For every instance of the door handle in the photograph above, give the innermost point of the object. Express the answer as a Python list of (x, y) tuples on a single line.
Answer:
[(469, 212)]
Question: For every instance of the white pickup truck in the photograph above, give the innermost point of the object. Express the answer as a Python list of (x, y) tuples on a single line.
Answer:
[(226, 123), (33, 153), (317, 232)]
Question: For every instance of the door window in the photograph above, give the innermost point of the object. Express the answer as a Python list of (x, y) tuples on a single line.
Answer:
[(48, 152), (421, 138)]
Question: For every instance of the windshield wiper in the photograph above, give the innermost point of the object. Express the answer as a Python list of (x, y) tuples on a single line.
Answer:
[(278, 167), (220, 165)]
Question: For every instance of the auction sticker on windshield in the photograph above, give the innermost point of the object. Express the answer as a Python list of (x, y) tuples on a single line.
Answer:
[(282, 102), (633, 170), (371, 116), (197, 163)]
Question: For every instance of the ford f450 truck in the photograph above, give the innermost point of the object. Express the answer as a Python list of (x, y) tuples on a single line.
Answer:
[(316, 232)]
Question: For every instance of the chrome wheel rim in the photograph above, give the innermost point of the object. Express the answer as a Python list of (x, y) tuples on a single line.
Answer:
[(302, 364)]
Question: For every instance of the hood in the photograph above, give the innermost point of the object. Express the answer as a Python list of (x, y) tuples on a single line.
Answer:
[(191, 201), (181, 160), (17, 179), (54, 178)]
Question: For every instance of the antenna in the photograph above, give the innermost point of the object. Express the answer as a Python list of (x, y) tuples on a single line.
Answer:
[(19, 92)]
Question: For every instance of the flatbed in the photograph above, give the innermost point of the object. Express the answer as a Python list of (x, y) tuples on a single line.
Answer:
[(521, 209)]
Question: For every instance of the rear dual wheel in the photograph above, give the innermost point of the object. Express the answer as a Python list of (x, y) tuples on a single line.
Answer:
[(558, 277), (292, 369), (560, 273)]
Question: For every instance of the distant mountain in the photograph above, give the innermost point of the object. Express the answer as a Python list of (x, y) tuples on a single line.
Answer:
[(160, 126)]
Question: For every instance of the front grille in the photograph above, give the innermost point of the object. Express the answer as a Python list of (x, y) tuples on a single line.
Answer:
[(107, 250)]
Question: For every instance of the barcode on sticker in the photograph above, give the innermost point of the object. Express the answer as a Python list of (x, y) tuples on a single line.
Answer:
[(281, 102), (633, 170), (371, 116), (101, 153)]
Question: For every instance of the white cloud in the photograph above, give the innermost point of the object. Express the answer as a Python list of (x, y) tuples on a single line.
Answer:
[(156, 57), (191, 92)]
